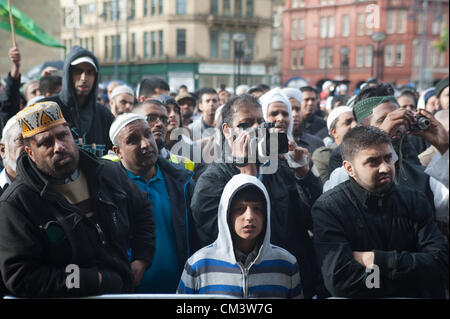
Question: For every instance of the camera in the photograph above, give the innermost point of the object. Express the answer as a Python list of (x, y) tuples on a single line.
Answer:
[(264, 136), (422, 124), (261, 138)]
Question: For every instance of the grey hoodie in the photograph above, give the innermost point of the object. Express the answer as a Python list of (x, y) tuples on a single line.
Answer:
[(214, 270), (89, 122)]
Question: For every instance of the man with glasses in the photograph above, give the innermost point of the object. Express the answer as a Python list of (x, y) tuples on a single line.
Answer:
[(157, 117)]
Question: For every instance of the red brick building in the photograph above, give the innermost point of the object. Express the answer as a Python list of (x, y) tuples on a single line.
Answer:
[(336, 39)]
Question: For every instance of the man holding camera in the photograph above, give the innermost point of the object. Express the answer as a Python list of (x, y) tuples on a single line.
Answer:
[(291, 218)]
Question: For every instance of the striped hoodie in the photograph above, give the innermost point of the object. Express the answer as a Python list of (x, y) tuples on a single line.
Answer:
[(214, 270)]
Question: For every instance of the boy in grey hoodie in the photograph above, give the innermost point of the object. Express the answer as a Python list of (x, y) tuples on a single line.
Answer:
[(242, 262)]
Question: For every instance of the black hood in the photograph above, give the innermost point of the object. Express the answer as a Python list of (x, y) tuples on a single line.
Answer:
[(82, 115)]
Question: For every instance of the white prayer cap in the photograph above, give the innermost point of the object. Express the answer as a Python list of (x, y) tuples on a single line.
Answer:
[(336, 113), (292, 93), (121, 121), (276, 95), (121, 90), (11, 122)]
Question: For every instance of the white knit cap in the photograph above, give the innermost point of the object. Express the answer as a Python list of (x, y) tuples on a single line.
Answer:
[(276, 95), (292, 93), (336, 113), (121, 121), (11, 122), (121, 90)]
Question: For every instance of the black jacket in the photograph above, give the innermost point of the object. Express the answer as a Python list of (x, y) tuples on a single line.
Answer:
[(9, 100), (291, 201), (90, 122), (41, 232), (316, 126), (398, 226)]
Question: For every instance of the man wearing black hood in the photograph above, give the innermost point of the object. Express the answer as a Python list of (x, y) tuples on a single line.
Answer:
[(89, 121)]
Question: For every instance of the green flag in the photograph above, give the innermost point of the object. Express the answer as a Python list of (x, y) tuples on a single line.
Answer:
[(24, 26)]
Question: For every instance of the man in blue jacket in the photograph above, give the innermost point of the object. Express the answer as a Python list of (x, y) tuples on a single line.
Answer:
[(169, 189)]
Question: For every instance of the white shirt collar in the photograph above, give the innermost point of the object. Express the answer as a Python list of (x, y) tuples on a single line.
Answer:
[(4, 179)]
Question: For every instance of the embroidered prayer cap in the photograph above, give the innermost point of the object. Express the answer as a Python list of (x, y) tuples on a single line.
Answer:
[(364, 108), (39, 117)]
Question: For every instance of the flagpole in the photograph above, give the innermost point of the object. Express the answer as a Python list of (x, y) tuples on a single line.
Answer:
[(11, 22)]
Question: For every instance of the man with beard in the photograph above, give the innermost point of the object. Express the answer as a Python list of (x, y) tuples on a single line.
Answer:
[(121, 100), (66, 223), (373, 237), (11, 146), (169, 189)]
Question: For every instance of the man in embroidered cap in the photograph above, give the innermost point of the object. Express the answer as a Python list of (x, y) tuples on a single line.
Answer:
[(88, 120), (66, 223)]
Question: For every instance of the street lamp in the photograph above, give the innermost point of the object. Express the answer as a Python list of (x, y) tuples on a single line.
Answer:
[(378, 37), (238, 39)]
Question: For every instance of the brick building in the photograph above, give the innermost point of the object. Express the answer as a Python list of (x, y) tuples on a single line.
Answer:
[(336, 39)]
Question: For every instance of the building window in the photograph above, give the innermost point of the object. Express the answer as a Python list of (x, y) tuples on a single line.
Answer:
[(359, 56), (250, 44), (225, 44), (345, 25), (323, 27), (133, 46), (214, 7), (331, 27), (160, 7), (293, 59), (416, 53), (214, 44), (132, 10), (145, 8), (181, 42), (400, 54), (250, 8), (181, 7), (238, 8), (301, 59), (326, 58), (420, 23), (388, 55), (115, 11), (294, 30), (390, 27), (369, 56), (361, 24), (402, 20), (106, 49), (153, 7), (161, 41), (301, 29), (226, 6), (146, 44), (153, 43)]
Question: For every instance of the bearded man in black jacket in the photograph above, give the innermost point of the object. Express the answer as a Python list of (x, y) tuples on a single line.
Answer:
[(66, 222), (373, 238)]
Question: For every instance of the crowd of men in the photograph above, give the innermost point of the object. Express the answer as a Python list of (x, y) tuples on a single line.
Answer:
[(255, 193)]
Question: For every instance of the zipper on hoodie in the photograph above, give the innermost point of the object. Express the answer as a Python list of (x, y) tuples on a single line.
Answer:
[(245, 283), (100, 233)]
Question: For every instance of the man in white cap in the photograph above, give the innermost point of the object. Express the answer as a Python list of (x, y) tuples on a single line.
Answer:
[(169, 188), (88, 120), (121, 100), (303, 139), (11, 146), (339, 122), (66, 224)]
